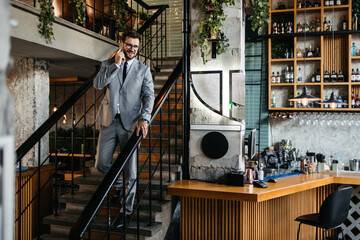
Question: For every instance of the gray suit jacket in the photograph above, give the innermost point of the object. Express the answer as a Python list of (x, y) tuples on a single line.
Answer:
[(135, 97)]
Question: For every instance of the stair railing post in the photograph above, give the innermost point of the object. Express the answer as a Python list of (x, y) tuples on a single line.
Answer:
[(108, 216), (161, 153), (165, 35), (38, 191), (137, 197), (56, 172), (94, 125), (162, 38), (72, 151), (150, 177), (84, 138), (176, 122), (169, 137), (19, 200)]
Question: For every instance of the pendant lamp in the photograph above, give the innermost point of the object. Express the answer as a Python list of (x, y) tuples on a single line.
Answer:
[(305, 98), (332, 102)]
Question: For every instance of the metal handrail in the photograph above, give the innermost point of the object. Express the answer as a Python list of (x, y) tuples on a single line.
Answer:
[(82, 224)]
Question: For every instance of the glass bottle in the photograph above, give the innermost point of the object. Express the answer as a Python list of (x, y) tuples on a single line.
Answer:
[(299, 28), (287, 75), (291, 80), (290, 27), (357, 75), (318, 25), (282, 28), (357, 101), (318, 76), (326, 25), (326, 3), (286, 55), (312, 79), (326, 76), (333, 76), (352, 100), (353, 49), (317, 52), (325, 99), (273, 100), (331, 2), (299, 53), (340, 76), (355, 22), (307, 27), (291, 53), (344, 24), (275, 28), (310, 52), (291, 103), (299, 4), (299, 79), (312, 26), (353, 76), (338, 2), (278, 77), (273, 77)]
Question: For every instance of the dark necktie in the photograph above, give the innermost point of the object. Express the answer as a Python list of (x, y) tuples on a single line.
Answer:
[(124, 72)]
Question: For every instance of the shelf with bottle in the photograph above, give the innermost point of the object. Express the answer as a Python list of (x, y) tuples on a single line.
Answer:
[(308, 22), (314, 90), (300, 4), (279, 97), (355, 98), (340, 94), (282, 50), (308, 73), (336, 8), (282, 74), (308, 49), (312, 9)]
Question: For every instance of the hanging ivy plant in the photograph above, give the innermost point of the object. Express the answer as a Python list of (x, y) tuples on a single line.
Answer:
[(259, 14), (46, 20), (119, 9), (80, 6), (212, 27)]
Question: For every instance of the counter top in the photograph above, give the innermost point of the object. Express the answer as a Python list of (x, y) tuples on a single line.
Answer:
[(283, 187)]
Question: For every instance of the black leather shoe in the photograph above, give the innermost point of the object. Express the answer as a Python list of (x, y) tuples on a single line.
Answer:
[(116, 199), (120, 221)]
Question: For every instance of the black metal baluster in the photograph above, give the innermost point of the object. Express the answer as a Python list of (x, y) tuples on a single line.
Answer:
[(39, 187), (137, 197), (157, 42), (162, 38), (19, 200), (165, 35), (169, 136), (109, 216), (94, 126), (150, 183), (176, 123), (84, 138), (72, 152), (56, 174), (161, 153)]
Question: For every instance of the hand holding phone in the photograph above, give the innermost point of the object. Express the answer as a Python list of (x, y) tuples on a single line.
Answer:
[(120, 56)]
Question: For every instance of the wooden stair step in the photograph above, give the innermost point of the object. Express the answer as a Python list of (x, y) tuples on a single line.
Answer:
[(99, 224)]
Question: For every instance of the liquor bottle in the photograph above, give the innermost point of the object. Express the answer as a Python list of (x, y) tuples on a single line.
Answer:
[(299, 28), (273, 77), (299, 53), (340, 77), (326, 76), (273, 100), (290, 27), (340, 100), (317, 52), (308, 4), (345, 101), (344, 24), (298, 103), (312, 26), (275, 28), (353, 50), (316, 3), (329, 27), (287, 75), (299, 79), (357, 101), (282, 28), (310, 52), (306, 27), (333, 76), (286, 55), (291, 103), (357, 75), (318, 76), (353, 75), (352, 100), (355, 22), (291, 80), (312, 79), (278, 77), (318, 25), (326, 3), (331, 2), (338, 2), (291, 53), (299, 4), (325, 99), (326, 25)]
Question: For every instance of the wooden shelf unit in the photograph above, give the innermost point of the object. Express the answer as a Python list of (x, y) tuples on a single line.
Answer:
[(335, 51)]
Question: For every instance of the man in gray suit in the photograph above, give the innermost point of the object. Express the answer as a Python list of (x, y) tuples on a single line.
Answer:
[(126, 107)]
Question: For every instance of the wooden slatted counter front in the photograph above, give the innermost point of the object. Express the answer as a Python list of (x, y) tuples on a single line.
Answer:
[(216, 211)]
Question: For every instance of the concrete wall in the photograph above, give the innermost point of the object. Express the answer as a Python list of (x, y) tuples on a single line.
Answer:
[(28, 82), (201, 167), (334, 134)]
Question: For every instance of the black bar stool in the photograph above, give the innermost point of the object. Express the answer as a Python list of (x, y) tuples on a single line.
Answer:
[(333, 212)]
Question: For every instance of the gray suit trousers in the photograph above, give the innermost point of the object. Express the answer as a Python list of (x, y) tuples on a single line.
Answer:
[(108, 139)]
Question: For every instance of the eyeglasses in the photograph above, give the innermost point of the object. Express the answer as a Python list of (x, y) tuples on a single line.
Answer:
[(129, 46)]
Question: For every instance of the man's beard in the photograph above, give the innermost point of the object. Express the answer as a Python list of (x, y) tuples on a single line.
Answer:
[(127, 56)]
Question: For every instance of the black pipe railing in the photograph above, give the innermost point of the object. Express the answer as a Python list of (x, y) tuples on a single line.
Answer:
[(83, 223), (52, 123)]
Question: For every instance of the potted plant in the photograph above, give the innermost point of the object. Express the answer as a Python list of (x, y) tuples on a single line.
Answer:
[(259, 13), (46, 20), (143, 17), (211, 27)]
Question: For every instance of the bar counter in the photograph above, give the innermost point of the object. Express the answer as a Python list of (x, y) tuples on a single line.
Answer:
[(217, 211)]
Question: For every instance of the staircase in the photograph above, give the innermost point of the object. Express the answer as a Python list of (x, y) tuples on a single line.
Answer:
[(73, 205)]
